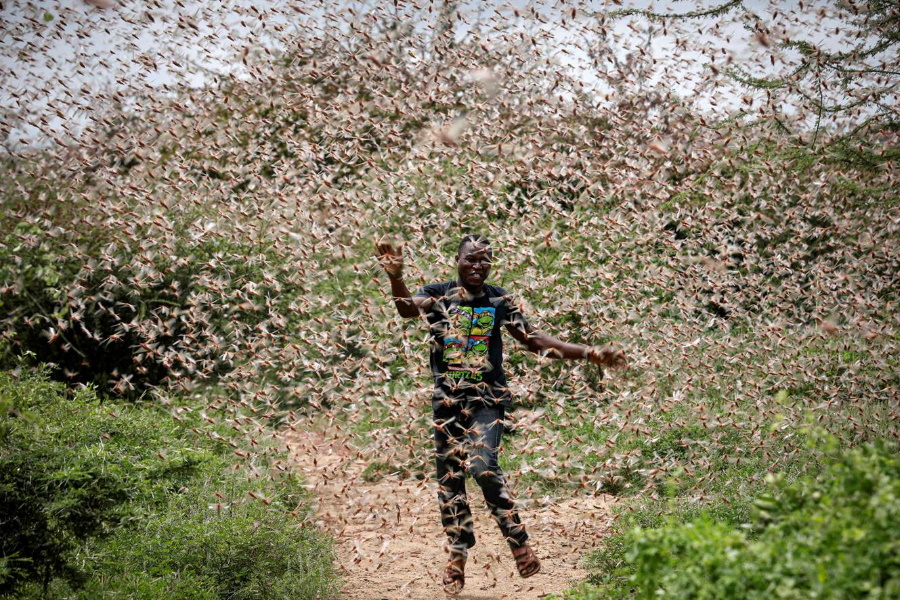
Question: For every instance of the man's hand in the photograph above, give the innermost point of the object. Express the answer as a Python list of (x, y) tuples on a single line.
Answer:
[(607, 356), (390, 258)]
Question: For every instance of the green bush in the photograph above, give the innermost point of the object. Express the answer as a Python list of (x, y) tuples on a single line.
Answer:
[(833, 536), (243, 552), (125, 311), (103, 499)]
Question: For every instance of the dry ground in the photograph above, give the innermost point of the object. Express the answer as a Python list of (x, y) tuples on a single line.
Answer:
[(389, 542)]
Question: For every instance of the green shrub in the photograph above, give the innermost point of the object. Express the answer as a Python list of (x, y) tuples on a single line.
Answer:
[(107, 499), (833, 536), (128, 310), (67, 466), (241, 552)]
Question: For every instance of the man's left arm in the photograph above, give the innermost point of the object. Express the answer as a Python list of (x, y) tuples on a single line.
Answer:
[(541, 343)]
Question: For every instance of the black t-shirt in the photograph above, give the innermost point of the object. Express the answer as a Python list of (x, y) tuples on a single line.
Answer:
[(467, 345)]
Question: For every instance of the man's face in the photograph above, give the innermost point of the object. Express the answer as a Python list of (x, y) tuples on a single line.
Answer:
[(473, 264)]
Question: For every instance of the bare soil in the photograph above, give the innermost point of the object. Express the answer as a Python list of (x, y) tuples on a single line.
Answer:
[(389, 542)]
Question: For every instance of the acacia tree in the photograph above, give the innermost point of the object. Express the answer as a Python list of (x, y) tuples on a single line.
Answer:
[(853, 87), (859, 82)]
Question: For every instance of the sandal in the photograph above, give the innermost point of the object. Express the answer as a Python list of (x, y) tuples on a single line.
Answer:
[(454, 576), (526, 562)]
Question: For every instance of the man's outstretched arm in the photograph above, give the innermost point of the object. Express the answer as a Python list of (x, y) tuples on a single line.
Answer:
[(544, 344), (391, 260)]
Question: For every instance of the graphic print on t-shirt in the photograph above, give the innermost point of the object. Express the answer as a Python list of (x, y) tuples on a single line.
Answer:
[(467, 343)]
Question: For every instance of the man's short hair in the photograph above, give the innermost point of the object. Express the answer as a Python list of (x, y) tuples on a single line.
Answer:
[(475, 239)]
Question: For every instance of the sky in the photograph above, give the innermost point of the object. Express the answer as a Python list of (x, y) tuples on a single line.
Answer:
[(63, 62)]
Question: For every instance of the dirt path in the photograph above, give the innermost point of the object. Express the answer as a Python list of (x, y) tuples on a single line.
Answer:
[(389, 540)]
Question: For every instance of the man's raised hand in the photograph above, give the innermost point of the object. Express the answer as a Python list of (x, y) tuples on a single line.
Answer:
[(390, 258)]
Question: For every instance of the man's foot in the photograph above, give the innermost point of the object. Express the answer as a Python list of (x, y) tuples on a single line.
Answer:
[(454, 575), (526, 562)]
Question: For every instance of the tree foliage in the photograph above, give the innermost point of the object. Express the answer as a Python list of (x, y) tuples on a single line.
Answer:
[(828, 84)]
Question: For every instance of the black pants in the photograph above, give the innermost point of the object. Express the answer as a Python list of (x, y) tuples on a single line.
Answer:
[(466, 439)]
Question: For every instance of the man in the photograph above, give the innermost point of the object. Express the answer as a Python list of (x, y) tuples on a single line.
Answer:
[(471, 394)]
